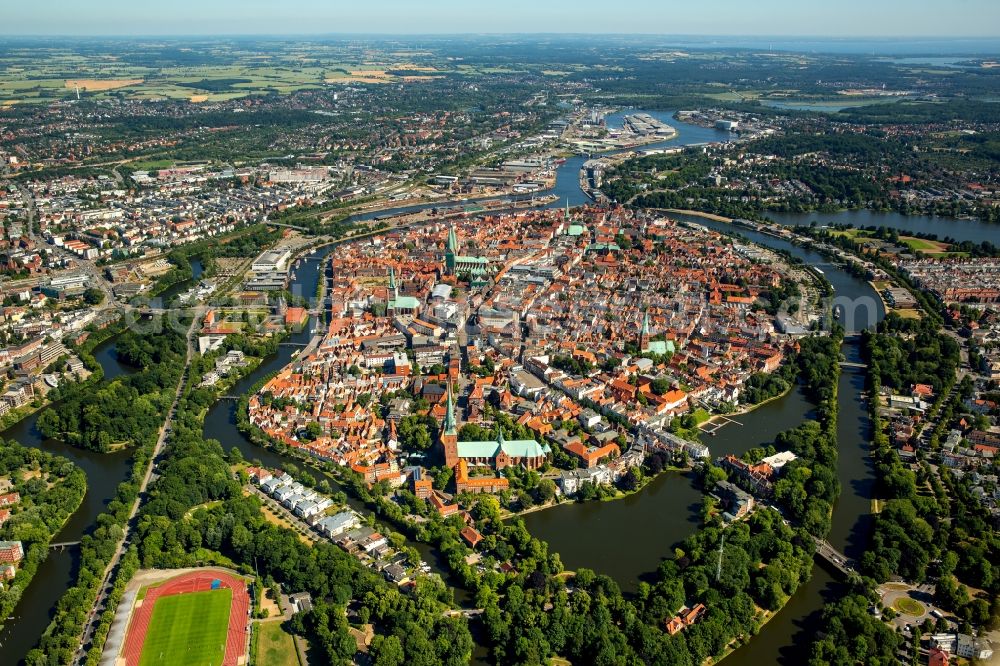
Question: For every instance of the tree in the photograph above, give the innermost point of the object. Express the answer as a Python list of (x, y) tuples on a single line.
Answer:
[(546, 490), (388, 651), (93, 296), (414, 432), (631, 480), (313, 431)]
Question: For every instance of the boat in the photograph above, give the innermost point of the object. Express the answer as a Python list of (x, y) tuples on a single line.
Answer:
[(819, 270)]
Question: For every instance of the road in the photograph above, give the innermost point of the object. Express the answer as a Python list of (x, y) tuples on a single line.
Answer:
[(834, 557), (110, 571), (30, 207)]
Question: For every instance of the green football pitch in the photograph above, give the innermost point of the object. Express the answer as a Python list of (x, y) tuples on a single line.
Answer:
[(188, 629)]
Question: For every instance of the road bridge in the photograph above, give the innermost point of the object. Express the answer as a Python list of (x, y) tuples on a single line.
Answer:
[(835, 558), (463, 612), (288, 226)]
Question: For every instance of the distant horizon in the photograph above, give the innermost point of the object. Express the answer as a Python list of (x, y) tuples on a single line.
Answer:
[(848, 19), (878, 46), (474, 33)]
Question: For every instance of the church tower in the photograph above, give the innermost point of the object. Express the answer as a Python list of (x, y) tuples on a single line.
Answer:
[(451, 251), (502, 458), (644, 333), (393, 287), (449, 433)]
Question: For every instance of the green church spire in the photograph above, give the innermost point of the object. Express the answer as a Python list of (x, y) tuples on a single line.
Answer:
[(449, 415)]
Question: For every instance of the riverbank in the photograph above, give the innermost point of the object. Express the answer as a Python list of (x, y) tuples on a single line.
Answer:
[(36, 552), (696, 213), (749, 409), (86, 353), (619, 494)]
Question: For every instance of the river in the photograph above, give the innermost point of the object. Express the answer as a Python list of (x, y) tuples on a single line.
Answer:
[(627, 539), (960, 230), (220, 421), (58, 572), (660, 516), (611, 537), (105, 471)]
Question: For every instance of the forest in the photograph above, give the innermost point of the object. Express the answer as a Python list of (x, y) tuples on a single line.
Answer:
[(51, 489), (931, 527), (128, 410)]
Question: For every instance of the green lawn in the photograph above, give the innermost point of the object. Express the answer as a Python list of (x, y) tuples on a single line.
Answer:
[(701, 415), (909, 606), (923, 245), (275, 647), (188, 629)]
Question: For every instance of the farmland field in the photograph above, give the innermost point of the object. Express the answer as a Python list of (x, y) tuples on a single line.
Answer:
[(97, 85), (132, 75)]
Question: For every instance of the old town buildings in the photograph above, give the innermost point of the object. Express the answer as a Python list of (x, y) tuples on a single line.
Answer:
[(625, 319)]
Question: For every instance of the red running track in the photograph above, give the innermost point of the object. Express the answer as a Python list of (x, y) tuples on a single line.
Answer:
[(200, 581)]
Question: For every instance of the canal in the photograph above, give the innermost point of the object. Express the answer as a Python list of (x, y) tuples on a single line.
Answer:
[(105, 471), (58, 572), (626, 539), (175, 290), (592, 534)]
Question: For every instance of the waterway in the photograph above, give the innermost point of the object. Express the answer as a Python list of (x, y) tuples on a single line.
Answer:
[(567, 186), (220, 421), (174, 290), (105, 471), (944, 227), (628, 538), (58, 572), (664, 513), (625, 539)]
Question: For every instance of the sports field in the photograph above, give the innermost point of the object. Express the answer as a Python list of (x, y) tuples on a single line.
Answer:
[(188, 629)]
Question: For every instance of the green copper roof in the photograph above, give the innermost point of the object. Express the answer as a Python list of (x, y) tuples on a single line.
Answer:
[(597, 247), (660, 347), (404, 303), (518, 448), (449, 415), (575, 230)]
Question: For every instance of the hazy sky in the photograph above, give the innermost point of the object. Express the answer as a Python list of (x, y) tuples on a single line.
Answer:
[(938, 18)]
